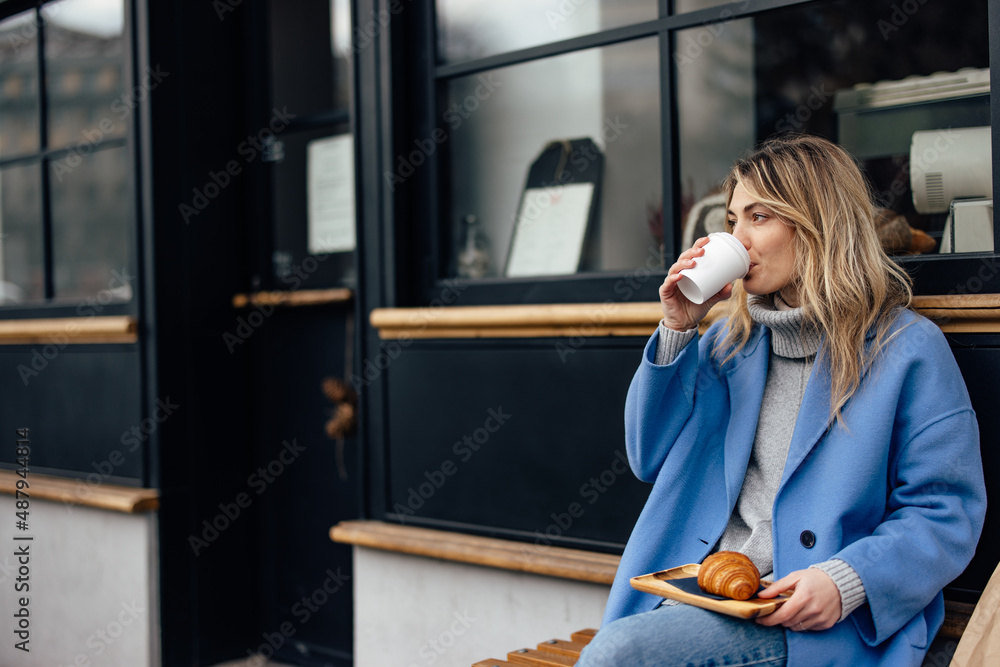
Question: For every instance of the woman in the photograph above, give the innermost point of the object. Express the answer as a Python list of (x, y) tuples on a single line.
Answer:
[(823, 429)]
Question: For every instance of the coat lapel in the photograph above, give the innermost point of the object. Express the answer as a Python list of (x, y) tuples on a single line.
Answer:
[(746, 393)]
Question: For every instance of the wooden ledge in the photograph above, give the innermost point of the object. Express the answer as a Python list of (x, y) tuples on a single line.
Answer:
[(961, 313), (315, 297), (112, 497), (956, 313), (487, 551), (69, 330), (592, 319)]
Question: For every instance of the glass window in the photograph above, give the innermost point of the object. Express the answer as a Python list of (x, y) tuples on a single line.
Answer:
[(90, 227), (64, 164), (681, 6), (903, 92), (19, 85), (22, 264), (469, 29), (84, 61), (502, 120)]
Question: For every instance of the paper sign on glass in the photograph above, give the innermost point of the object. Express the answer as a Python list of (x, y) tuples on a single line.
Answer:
[(330, 177), (550, 230)]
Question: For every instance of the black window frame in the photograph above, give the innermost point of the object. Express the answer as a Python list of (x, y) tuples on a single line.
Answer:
[(62, 307), (419, 246)]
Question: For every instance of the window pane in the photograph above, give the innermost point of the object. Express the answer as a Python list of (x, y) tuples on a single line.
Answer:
[(469, 29), (84, 78), (19, 85), (22, 264), (310, 56), (500, 121), (681, 6), (858, 73), (91, 233)]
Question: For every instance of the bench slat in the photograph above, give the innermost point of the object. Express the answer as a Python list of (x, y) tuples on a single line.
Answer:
[(583, 636), (493, 662), (527, 656), (562, 647)]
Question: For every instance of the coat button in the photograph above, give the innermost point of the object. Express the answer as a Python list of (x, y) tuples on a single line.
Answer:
[(808, 539)]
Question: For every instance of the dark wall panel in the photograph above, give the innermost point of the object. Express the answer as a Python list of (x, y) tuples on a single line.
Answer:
[(521, 436), (551, 472), (81, 404), (316, 483), (979, 359)]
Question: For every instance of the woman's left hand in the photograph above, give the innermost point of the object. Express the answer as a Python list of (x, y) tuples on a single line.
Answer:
[(813, 605)]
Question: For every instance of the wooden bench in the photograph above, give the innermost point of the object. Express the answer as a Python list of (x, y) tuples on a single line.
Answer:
[(556, 652), (551, 653)]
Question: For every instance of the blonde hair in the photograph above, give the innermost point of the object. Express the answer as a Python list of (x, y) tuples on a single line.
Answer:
[(847, 285)]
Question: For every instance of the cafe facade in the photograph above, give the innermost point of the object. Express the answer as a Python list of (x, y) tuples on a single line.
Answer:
[(317, 318)]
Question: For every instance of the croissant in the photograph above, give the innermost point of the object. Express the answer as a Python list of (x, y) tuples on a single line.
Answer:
[(729, 574)]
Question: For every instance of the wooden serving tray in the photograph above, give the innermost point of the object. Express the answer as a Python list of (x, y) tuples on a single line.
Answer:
[(658, 583)]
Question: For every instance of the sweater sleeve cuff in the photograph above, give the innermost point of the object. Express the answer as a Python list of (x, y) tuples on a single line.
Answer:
[(671, 343), (852, 590)]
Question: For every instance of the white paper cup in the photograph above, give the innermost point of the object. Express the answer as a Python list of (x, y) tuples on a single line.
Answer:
[(724, 261)]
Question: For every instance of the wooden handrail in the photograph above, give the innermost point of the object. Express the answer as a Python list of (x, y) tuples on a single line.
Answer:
[(956, 313), (298, 298), (492, 552), (127, 499), (69, 330)]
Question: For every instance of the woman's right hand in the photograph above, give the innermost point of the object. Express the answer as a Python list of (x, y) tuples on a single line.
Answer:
[(679, 313)]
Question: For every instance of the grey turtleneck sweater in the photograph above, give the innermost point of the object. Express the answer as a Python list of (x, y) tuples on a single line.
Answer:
[(793, 350)]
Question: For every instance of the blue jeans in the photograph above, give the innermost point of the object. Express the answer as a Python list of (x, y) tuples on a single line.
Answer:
[(685, 636)]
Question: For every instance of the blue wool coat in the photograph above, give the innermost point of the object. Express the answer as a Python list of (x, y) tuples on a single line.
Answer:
[(898, 493)]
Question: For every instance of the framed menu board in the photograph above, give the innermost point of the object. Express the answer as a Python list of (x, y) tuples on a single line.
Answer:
[(557, 210)]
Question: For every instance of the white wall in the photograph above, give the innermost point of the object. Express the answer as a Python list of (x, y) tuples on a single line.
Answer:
[(93, 598), (412, 611)]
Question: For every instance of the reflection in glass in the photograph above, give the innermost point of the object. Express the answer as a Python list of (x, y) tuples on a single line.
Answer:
[(469, 29), (91, 234), (22, 264), (835, 70), (500, 121), (84, 83), (19, 85), (340, 40)]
